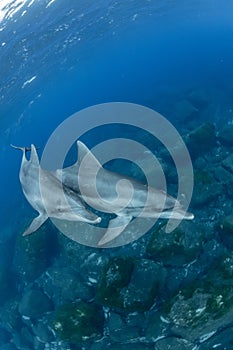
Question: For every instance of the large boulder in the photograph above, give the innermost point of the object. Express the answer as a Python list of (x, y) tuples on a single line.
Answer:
[(79, 321), (120, 331), (177, 248), (130, 284), (221, 174), (64, 284), (199, 98), (201, 140), (205, 306), (228, 163), (34, 304), (43, 332), (184, 110), (225, 135), (206, 189)]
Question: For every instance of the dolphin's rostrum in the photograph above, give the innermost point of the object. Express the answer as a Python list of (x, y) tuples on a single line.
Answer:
[(66, 192)]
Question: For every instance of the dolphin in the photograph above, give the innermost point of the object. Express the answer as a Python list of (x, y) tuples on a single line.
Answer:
[(114, 193), (48, 196)]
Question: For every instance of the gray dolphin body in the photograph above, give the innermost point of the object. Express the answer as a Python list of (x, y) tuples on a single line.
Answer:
[(48, 196), (117, 194)]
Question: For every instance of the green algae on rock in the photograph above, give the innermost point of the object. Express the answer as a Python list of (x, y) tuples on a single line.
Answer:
[(130, 285), (78, 321), (203, 177), (115, 275), (177, 248), (200, 308)]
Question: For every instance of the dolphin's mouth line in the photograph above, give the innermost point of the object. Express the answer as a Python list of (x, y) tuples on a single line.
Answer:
[(172, 208)]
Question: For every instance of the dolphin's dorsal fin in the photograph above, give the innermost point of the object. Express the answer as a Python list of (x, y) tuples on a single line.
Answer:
[(91, 161), (34, 156)]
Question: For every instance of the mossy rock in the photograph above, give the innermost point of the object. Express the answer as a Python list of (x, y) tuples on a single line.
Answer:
[(219, 283), (77, 322), (201, 140), (203, 177), (115, 275), (188, 312), (130, 285), (220, 302), (193, 308), (178, 247), (204, 304)]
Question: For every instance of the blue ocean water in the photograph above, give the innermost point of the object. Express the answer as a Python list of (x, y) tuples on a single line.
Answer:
[(57, 57)]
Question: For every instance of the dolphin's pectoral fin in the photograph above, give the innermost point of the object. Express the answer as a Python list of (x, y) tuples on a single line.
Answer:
[(36, 223), (115, 228)]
